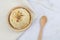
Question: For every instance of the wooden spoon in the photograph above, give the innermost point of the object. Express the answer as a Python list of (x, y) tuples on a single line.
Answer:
[(43, 21)]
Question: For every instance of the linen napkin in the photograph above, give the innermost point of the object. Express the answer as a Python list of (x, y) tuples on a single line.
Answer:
[(51, 9)]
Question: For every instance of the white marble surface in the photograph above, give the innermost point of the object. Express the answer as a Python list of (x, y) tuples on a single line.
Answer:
[(49, 8)]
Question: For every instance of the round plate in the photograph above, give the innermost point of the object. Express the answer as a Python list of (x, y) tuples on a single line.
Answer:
[(19, 18)]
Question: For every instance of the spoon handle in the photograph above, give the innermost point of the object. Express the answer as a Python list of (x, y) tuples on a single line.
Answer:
[(40, 34)]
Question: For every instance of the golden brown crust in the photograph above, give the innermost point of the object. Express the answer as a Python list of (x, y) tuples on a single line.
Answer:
[(23, 28)]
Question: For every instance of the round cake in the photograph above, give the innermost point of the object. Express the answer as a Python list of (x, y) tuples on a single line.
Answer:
[(19, 18)]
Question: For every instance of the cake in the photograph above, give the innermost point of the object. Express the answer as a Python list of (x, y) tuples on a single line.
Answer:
[(19, 18)]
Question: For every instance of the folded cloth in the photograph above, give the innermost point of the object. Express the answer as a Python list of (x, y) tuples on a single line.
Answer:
[(52, 28)]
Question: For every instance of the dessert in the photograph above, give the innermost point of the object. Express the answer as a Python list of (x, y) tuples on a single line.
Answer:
[(19, 18)]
